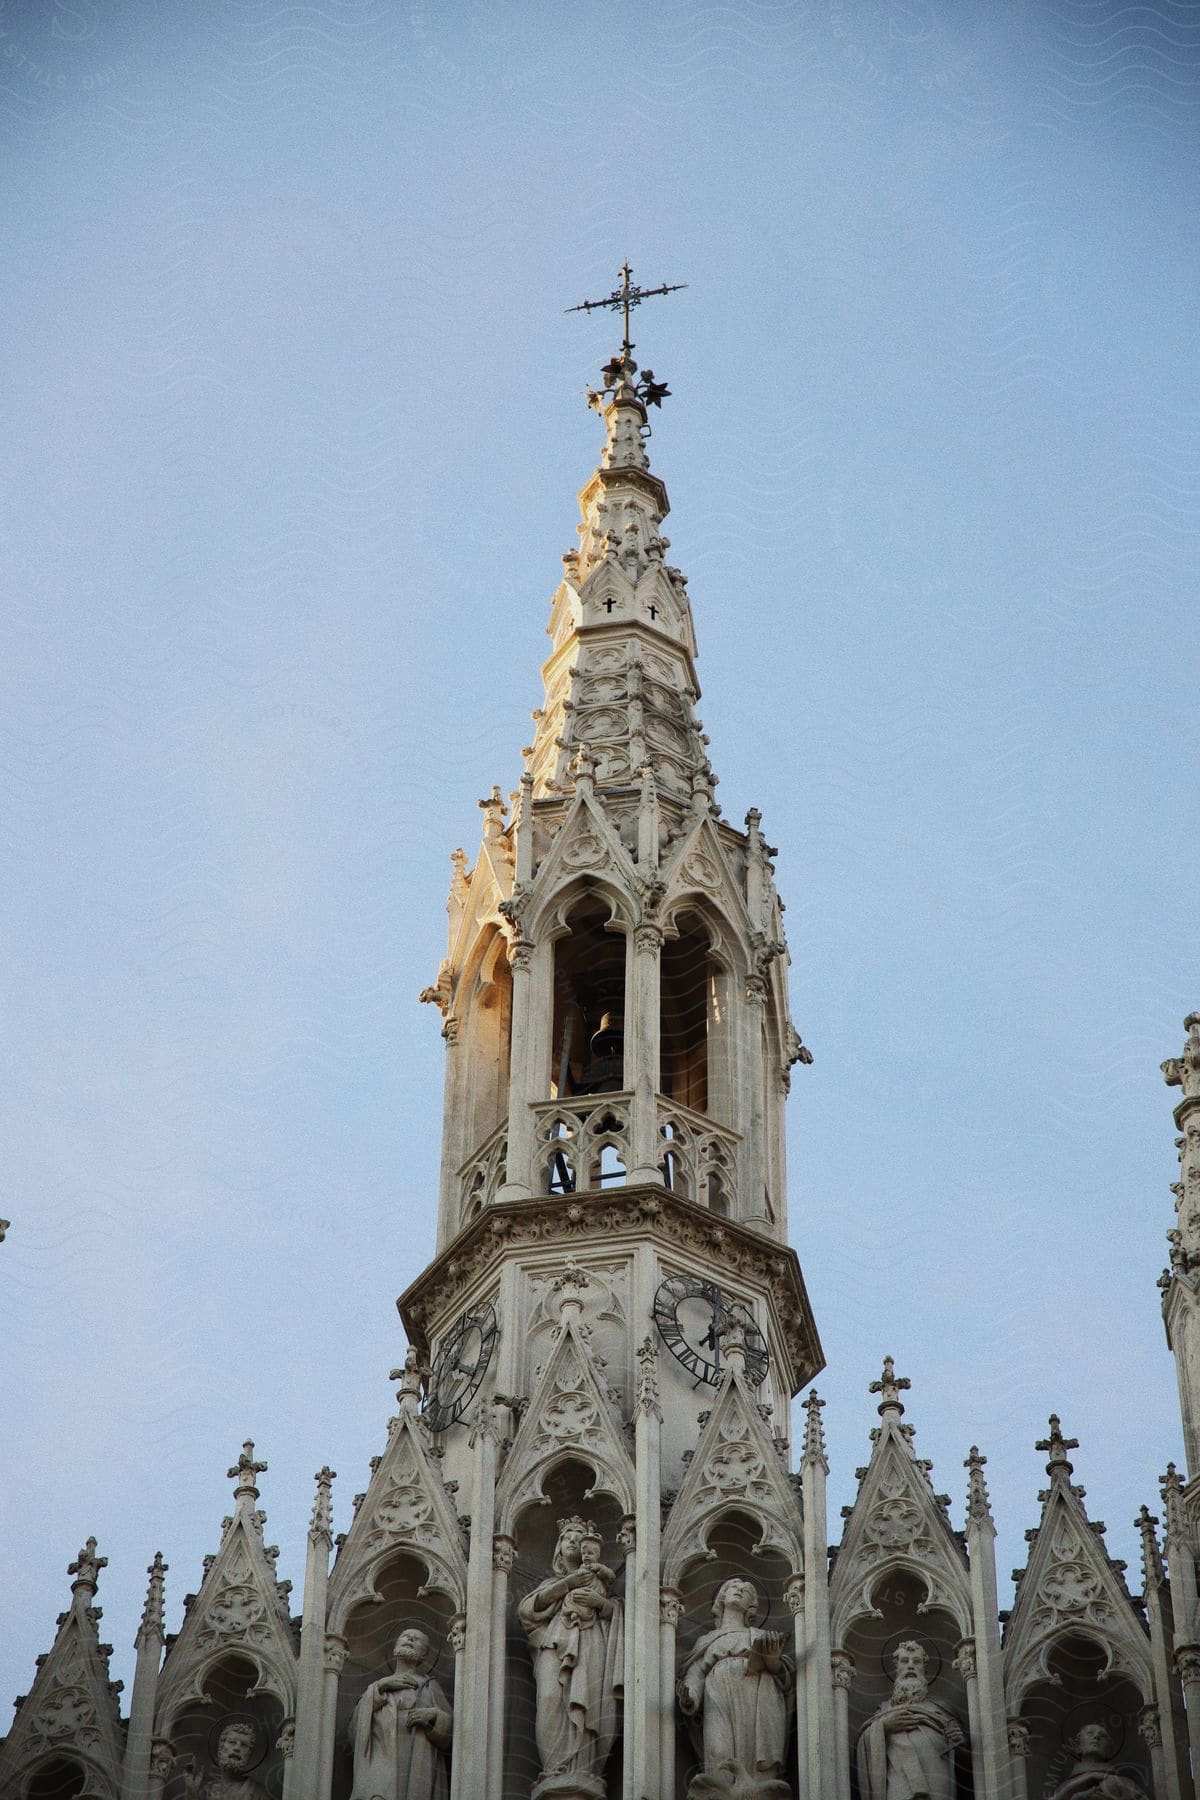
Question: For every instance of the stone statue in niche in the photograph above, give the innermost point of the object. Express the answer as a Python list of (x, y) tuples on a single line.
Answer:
[(738, 1684), (240, 1747), (401, 1727), (1094, 1775), (906, 1752), (574, 1630)]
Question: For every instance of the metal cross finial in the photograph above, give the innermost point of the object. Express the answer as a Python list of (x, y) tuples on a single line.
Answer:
[(627, 296)]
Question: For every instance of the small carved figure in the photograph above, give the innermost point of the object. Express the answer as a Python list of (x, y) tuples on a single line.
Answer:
[(906, 1752), (1095, 1776), (574, 1629), (401, 1729), (738, 1682), (238, 1751)]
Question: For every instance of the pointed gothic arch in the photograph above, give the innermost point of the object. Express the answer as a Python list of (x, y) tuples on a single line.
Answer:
[(484, 1011), (61, 1777), (589, 982), (699, 970), (229, 1680)]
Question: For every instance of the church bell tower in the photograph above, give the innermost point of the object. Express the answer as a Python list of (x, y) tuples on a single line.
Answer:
[(614, 1325)]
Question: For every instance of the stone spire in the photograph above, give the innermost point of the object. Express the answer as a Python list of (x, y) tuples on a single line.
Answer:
[(620, 686), (152, 1613), (979, 1509), (814, 1431), (1153, 1572), (321, 1524), (1183, 1072)]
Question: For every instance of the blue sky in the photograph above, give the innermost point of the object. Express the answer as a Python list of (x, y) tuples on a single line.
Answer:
[(294, 431)]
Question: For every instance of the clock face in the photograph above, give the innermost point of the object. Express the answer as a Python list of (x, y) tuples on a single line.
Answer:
[(461, 1365), (690, 1315)]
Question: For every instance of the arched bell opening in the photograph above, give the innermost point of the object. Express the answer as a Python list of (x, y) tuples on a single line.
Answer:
[(485, 1027), (1077, 1697), (230, 1702), (61, 1778), (566, 1489), (872, 1642), (371, 1630), (733, 1544), (587, 1042), (694, 1024)]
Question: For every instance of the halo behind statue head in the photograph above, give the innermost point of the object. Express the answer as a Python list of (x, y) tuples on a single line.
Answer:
[(249, 1723)]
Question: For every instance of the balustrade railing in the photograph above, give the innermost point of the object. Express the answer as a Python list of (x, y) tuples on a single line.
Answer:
[(699, 1157), (582, 1142)]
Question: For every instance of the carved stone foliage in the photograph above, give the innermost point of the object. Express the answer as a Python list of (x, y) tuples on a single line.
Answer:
[(734, 1469), (406, 1509), (700, 863), (569, 1415), (236, 1611), (604, 1299), (68, 1712), (651, 1214), (72, 1708), (1070, 1587), (585, 843), (240, 1607), (897, 1523)]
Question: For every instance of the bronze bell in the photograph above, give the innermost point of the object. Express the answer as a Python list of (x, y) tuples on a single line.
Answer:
[(605, 1070)]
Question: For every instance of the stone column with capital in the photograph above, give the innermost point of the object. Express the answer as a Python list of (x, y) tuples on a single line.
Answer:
[(333, 1662), (670, 1611), (843, 1675), (504, 1556), (643, 1050), (162, 1767), (793, 1594), (644, 1694), (1187, 1666), (1017, 1734), (966, 1666), (1150, 1732), (523, 1088), (819, 1698), (752, 1175), (478, 1720)]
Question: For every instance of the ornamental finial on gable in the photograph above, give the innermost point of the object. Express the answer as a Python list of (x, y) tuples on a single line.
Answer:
[(409, 1377), (978, 1505), (1058, 1468), (889, 1387), (1184, 1070), (86, 1570), (245, 1472)]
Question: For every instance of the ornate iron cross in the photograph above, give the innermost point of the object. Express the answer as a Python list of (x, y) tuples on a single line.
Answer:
[(627, 296)]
